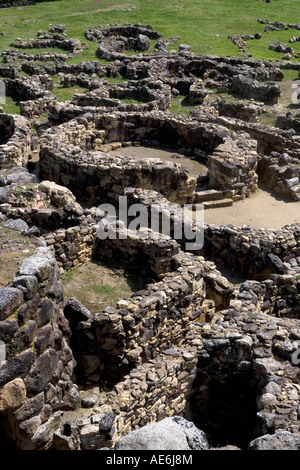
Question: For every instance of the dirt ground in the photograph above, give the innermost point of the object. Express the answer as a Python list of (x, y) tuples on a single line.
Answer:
[(97, 285), (262, 210)]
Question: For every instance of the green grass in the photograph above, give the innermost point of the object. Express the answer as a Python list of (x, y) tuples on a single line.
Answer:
[(267, 118), (66, 94), (103, 289), (40, 50), (204, 24), (180, 105), (131, 101), (116, 80), (10, 106), (67, 276), (290, 75)]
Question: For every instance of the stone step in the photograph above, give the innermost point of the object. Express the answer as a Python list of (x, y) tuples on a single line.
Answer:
[(208, 195), (226, 202)]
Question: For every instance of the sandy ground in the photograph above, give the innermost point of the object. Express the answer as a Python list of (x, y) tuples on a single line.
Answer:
[(262, 209)]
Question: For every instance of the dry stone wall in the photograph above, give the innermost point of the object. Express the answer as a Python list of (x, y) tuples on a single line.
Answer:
[(33, 93), (16, 146), (107, 176), (35, 378), (151, 95), (256, 252), (281, 174)]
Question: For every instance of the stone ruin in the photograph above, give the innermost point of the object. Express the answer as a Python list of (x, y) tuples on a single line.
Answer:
[(191, 345)]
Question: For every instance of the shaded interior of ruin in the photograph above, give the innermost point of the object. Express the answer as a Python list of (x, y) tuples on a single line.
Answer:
[(6, 129), (223, 405), (6, 443)]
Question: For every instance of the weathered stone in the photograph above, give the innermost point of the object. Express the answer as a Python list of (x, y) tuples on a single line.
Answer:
[(10, 299), (281, 440), (42, 372), (43, 437), (27, 284), (169, 434), (31, 407), (67, 437), (16, 367), (12, 394), (18, 225)]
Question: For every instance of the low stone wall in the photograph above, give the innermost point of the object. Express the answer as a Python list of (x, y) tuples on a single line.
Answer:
[(107, 176), (269, 139), (160, 129), (33, 94), (281, 174), (45, 40), (278, 25), (239, 40), (114, 40), (154, 390), (151, 95), (126, 30), (255, 252), (231, 164), (258, 393), (277, 296), (35, 378), (233, 377), (237, 110), (13, 56), (73, 245), (164, 348), (288, 121), (157, 316), (16, 148), (251, 89), (44, 206)]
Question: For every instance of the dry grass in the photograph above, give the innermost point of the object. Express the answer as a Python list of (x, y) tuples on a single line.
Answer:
[(97, 285)]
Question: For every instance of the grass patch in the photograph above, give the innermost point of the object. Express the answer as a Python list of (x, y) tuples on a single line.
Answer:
[(66, 94), (40, 50), (11, 106), (102, 289), (97, 285), (181, 106), (290, 75), (267, 118), (131, 101)]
